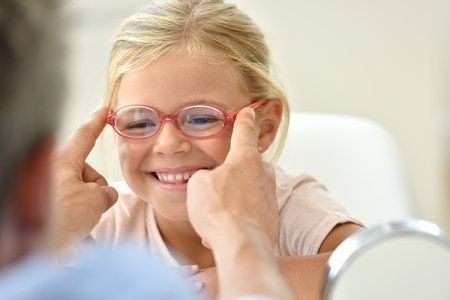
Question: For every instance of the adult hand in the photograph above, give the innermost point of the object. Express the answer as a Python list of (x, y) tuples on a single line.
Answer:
[(234, 209), (82, 195), (237, 196), (203, 282), (207, 280), (189, 272)]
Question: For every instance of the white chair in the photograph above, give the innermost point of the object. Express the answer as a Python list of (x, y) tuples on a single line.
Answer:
[(355, 158)]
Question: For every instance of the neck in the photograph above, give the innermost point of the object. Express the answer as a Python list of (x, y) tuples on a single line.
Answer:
[(181, 237)]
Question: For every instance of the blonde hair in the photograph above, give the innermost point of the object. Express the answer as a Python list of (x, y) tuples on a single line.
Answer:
[(202, 28)]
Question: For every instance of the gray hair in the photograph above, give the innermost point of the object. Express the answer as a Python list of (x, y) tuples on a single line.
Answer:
[(31, 82)]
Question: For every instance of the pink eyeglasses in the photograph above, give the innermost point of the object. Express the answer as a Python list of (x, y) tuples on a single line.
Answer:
[(197, 121)]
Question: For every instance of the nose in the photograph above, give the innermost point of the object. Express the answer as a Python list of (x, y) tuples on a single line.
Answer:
[(170, 141)]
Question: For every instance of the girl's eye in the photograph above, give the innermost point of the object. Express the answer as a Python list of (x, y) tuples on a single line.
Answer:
[(140, 124), (202, 120)]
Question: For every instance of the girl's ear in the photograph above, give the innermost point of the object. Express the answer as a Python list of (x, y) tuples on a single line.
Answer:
[(268, 118)]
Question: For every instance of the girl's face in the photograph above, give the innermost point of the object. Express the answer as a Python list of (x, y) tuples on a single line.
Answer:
[(168, 84)]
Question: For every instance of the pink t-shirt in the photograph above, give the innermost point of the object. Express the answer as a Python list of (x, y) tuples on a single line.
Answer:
[(307, 215)]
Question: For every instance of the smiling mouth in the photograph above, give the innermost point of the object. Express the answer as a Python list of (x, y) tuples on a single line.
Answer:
[(174, 178)]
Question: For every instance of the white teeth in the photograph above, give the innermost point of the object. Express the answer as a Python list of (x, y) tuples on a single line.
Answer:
[(174, 177)]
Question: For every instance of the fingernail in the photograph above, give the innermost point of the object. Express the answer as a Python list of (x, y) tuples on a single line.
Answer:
[(252, 113), (198, 285), (190, 270), (194, 268), (206, 244), (111, 193)]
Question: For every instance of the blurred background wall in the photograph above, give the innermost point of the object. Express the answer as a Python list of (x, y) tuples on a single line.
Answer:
[(385, 60)]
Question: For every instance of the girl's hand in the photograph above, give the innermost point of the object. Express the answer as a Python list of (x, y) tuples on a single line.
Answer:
[(81, 194)]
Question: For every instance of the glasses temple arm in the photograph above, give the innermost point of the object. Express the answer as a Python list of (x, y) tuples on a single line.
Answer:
[(254, 105)]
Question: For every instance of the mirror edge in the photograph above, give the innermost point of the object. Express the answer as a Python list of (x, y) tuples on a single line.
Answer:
[(360, 241)]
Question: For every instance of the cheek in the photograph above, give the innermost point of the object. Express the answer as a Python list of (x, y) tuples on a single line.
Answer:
[(216, 148), (131, 154)]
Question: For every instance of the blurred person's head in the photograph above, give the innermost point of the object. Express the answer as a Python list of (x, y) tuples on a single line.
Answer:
[(30, 93)]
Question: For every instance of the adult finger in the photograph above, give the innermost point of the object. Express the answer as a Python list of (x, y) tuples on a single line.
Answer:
[(189, 270), (206, 244), (111, 192), (269, 169), (91, 175), (102, 197), (198, 174), (83, 140), (197, 286), (244, 134)]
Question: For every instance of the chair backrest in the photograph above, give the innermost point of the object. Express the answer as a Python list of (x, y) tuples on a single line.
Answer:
[(356, 159)]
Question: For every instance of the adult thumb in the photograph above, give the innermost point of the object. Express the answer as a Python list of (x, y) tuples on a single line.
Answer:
[(244, 134), (111, 192)]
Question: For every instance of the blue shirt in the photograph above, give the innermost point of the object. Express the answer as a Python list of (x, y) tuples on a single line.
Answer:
[(126, 272)]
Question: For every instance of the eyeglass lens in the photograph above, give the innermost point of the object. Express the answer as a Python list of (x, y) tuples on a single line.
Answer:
[(196, 121)]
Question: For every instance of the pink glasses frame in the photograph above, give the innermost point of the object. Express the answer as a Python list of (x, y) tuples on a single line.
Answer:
[(229, 118)]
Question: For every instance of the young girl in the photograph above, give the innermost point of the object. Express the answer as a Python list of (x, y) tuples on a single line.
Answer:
[(178, 71)]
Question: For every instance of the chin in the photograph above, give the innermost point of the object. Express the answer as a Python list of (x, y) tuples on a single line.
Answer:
[(171, 210), (169, 204)]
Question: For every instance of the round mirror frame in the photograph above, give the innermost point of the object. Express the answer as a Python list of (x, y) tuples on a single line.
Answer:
[(350, 249)]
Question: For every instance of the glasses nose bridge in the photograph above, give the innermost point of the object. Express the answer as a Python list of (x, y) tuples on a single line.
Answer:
[(168, 118), (172, 118)]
